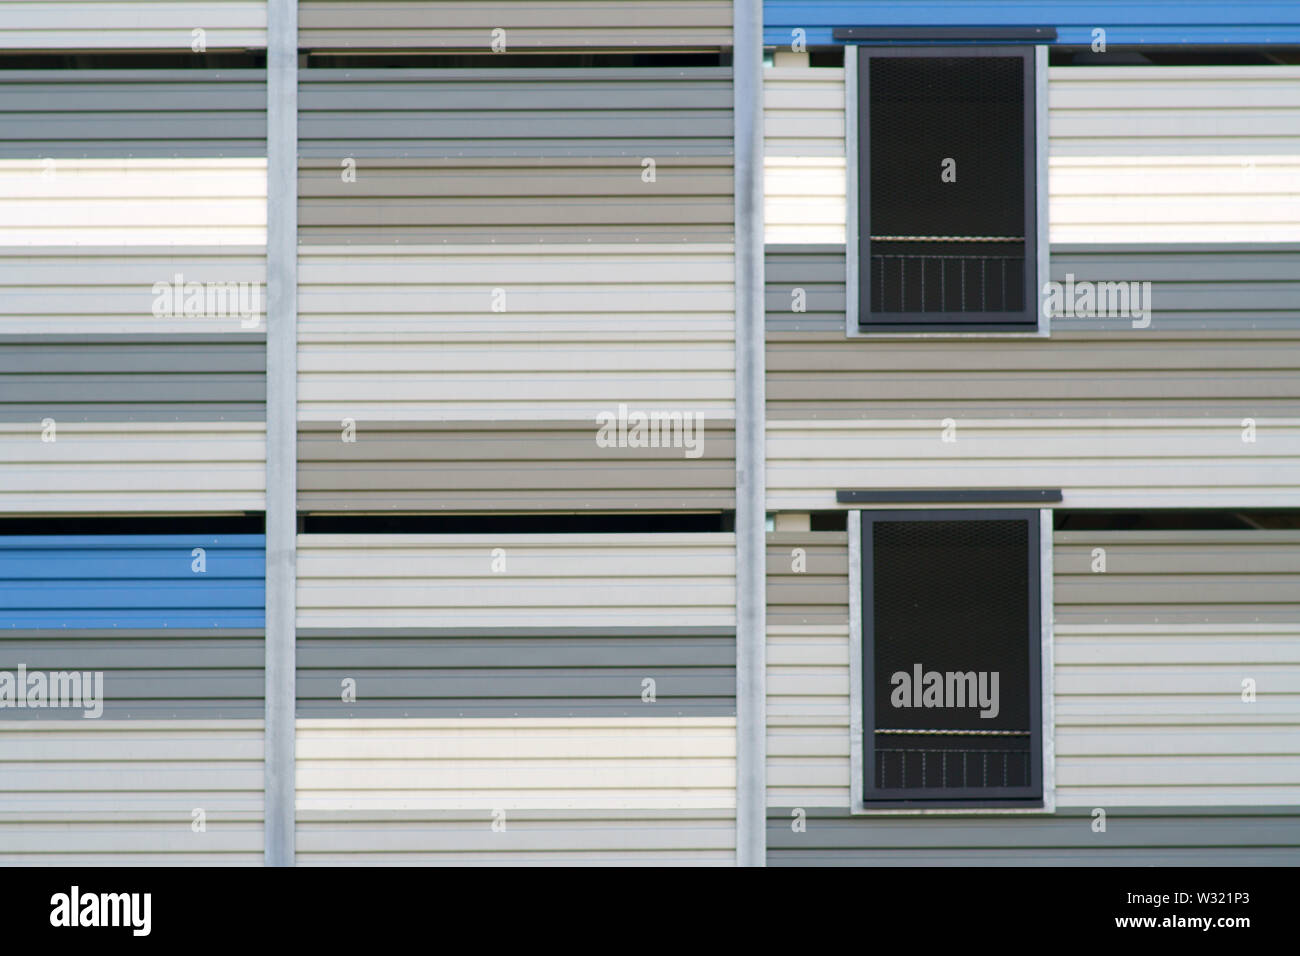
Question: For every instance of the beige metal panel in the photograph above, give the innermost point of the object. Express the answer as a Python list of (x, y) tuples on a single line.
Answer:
[(131, 24), (132, 202), (528, 24), (522, 763), (1120, 462), (133, 467), (1115, 375), (1138, 154), (461, 333), (477, 466), (75, 290), (606, 580), (521, 199), (124, 792)]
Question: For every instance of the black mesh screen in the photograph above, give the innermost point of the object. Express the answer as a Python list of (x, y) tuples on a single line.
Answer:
[(936, 245), (951, 608)]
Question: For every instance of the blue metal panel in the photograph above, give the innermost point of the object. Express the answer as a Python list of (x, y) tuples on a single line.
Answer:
[(1152, 22), (131, 581)]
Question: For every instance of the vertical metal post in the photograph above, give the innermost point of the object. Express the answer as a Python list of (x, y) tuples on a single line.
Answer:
[(281, 424), (751, 485)]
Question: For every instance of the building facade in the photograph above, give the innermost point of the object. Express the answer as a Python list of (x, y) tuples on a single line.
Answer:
[(651, 433)]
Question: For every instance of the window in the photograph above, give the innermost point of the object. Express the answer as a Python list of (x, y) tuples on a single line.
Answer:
[(947, 218), (951, 679)]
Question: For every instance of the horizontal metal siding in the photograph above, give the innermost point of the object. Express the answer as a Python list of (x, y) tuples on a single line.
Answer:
[(528, 763), (412, 334), (109, 290), (147, 674), (131, 581), (1239, 287), (599, 580), (528, 24), (1134, 836), (65, 114), (1137, 154), (133, 378), (69, 203), (136, 467), (156, 25), (86, 793), (515, 155), (528, 672), (515, 466), (1150, 658), (531, 838), (807, 668), (1149, 21)]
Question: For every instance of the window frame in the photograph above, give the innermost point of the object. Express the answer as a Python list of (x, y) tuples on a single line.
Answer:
[(1035, 185), (1039, 796)]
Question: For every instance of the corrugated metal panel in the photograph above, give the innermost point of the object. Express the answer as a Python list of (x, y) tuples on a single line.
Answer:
[(528, 672), (1098, 462), (530, 838), (133, 378), (84, 793), (528, 24), (132, 24), (560, 580), (66, 114), (147, 674), (1242, 286), (520, 763), (1150, 658), (110, 290), (463, 333), (1134, 836), (130, 202), (1126, 22), (133, 467), (132, 581), (1137, 154), (407, 345), (807, 668), (516, 155), (507, 466)]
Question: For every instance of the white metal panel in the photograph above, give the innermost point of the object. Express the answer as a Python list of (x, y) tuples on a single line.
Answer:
[(552, 332), (111, 289), (1177, 462), (521, 763), (124, 202), (601, 580), (124, 792), (131, 24), (123, 467)]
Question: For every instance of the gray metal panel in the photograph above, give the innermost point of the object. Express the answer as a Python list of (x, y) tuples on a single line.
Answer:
[(1169, 576), (476, 466), (68, 113), (528, 24), (133, 378), (575, 673), (148, 674), (516, 155), (1238, 286), (1139, 837)]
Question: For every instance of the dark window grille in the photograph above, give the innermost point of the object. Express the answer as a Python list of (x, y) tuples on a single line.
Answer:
[(954, 593), (957, 252)]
